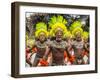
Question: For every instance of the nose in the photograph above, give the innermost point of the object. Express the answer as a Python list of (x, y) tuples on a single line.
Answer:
[(59, 34)]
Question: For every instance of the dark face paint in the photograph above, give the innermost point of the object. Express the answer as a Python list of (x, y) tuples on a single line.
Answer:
[(59, 35), (78, 36), (42, 37)]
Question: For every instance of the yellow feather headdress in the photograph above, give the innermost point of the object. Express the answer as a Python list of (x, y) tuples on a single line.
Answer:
[(30, 42), (56, 19), (37, 33), (75, 24), (85, 35), (67, 34), (41, 27), (55, 23), (77, 29)]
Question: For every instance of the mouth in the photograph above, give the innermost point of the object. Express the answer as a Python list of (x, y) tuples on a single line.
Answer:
[(58, 38)]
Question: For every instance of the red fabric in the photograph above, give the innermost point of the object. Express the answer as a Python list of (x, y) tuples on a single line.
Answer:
[(72, 58), (85, 53), (34, 50), (27, 52), (43, 62), (65, 55)]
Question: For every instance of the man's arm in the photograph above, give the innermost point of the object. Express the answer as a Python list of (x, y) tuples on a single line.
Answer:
[(46, 53), (68, 48), (86, 46)]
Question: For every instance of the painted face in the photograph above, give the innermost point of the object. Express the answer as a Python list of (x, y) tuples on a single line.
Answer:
[(42, 37), (78, 35), (59, 34)]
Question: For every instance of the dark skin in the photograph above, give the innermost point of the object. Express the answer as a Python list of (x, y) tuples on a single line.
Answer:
[(78, 46), (40, 45), (57, 48), (86, 44)]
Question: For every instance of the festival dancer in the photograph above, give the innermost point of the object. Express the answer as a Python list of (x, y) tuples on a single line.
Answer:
[(40, 44), (29, 43), (86, 47), (78, 45), (68, 37), (57, 46)]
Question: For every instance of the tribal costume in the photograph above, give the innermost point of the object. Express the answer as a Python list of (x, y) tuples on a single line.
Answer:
[(86, 47), (29, 43), (57, 46), (40, 44), (77, 44)]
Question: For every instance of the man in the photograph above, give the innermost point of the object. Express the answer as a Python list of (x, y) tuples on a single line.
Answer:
[(40, 44), (57, 46), (78, 45), (86, 47)]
